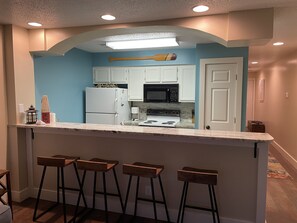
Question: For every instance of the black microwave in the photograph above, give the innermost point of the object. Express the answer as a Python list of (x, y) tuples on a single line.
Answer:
[(166, 93)]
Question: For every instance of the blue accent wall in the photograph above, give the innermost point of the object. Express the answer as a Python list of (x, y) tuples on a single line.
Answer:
[(215, 50), (64, 79), (184, 56)]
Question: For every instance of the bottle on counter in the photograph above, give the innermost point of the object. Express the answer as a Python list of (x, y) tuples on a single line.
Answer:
[(45, 110)]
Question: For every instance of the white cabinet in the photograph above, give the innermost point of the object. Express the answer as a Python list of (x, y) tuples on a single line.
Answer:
[(101, 75), (116, 75), (119, 75), (187, 77), (169, 74), (135, 83), (153, 75)]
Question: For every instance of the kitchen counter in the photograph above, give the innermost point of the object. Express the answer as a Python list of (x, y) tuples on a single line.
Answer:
[(239, 157)]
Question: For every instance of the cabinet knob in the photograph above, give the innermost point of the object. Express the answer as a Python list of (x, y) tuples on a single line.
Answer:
[(207, 127)]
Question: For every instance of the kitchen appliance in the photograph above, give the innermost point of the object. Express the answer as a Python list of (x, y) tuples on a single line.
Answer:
[(107, 105), (166, 93), (135, 113), (31, 115), (161, 118)]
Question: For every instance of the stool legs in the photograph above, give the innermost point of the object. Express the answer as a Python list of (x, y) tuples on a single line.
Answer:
[(105, 197), (183, 204), (154, 201), (118, 188)]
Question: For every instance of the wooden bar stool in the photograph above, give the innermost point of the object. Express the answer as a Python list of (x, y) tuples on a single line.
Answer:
[(148, 171), (103, 166), (5, 189), (60, 162), (199, 176)]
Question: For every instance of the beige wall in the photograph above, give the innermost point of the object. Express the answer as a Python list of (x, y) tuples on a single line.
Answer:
[(277, 111), (20, 89), (3, 107)]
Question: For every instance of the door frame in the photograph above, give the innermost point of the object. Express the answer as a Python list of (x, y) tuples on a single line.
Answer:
[(238, 95), (254, 96)]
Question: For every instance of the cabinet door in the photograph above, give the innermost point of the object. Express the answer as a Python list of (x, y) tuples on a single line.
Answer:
[(153, 75), (135, 83), (101, 75), (118, 75), (169, 74), (187, 77)]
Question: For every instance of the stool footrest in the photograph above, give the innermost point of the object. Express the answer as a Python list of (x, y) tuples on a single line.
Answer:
[(200, 208), (69, 188), (109, 194), (149, 200)]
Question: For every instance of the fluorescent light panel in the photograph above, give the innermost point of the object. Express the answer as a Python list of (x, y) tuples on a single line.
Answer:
[(146, 43)]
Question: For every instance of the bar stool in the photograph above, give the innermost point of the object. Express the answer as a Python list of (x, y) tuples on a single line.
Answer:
[(103, 166), (5, 189), (60, 162), (199, 176), (151, 171)]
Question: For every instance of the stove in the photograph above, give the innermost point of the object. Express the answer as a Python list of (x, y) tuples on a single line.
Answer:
[(161, 118)]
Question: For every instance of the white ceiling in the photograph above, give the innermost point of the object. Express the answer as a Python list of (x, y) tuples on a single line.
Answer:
[(69, 13)]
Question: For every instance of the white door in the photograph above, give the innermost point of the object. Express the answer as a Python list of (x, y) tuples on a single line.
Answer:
[(135, 83), (221, 101), (250, 102)]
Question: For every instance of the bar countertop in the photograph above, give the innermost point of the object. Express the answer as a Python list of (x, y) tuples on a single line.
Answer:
[(151, 131)]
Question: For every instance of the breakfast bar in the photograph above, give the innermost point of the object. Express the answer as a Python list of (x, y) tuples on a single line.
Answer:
[(239, 157)]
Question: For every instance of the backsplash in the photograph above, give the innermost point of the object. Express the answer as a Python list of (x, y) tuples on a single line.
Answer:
[(185, 109)]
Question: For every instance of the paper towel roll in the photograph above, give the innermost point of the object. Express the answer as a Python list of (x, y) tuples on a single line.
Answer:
[(53, 117)]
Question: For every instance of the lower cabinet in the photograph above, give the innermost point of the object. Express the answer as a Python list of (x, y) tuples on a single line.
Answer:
[(135, 83)]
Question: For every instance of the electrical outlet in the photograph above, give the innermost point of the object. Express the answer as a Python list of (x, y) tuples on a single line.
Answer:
[(148, 191)]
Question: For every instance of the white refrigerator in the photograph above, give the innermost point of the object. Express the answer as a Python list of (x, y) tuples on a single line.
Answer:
[(107, 105)]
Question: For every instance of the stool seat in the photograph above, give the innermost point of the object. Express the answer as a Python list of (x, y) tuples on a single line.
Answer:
[(143, 169), (5, 214), (97, 164), (200, 176), (56, 160)]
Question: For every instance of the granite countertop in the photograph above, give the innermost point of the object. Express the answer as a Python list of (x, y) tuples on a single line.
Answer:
[(140, 131), (182, 124)]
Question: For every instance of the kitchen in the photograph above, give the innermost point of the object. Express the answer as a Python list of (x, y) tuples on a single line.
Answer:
[(66, 85)]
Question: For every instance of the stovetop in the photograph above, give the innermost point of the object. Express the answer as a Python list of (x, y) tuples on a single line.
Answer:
[(161, 118)]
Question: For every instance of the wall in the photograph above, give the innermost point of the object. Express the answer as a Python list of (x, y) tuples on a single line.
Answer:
[(276, 111), (215, 50), (184, 56), (3, 107), (63, 79)]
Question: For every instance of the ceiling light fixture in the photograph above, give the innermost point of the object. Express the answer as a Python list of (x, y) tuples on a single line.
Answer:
[(35, 24), (278, 43), (254, 62), (108, 17), (146, 43), (201, 8)]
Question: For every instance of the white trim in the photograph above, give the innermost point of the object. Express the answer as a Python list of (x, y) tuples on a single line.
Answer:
[(238, 95), (285, 154), (20, 196), (254, 96)]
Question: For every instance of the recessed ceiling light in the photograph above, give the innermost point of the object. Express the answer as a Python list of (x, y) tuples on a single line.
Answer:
[(278, 43), (145, 43), (108, 17), (254, 62), (201, 8), (36, 24)]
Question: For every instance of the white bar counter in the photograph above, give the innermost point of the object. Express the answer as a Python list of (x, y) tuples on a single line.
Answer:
[(239, 157)]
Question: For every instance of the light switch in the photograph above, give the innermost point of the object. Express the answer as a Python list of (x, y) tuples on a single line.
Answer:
[(287, 94)]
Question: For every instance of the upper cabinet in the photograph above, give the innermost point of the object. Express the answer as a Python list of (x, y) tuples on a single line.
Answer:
[(135, 83), (169, 74), (101, 75), (187, 77), (117, 75), (153, 75)]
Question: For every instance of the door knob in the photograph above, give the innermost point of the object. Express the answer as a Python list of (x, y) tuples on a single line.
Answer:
[(207, 127)]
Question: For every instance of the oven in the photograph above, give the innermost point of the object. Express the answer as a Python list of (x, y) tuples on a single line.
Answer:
[(166, 93)]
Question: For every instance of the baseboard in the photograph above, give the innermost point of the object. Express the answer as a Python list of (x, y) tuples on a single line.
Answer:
[(285, 154), (20, 196), (143, 210)]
